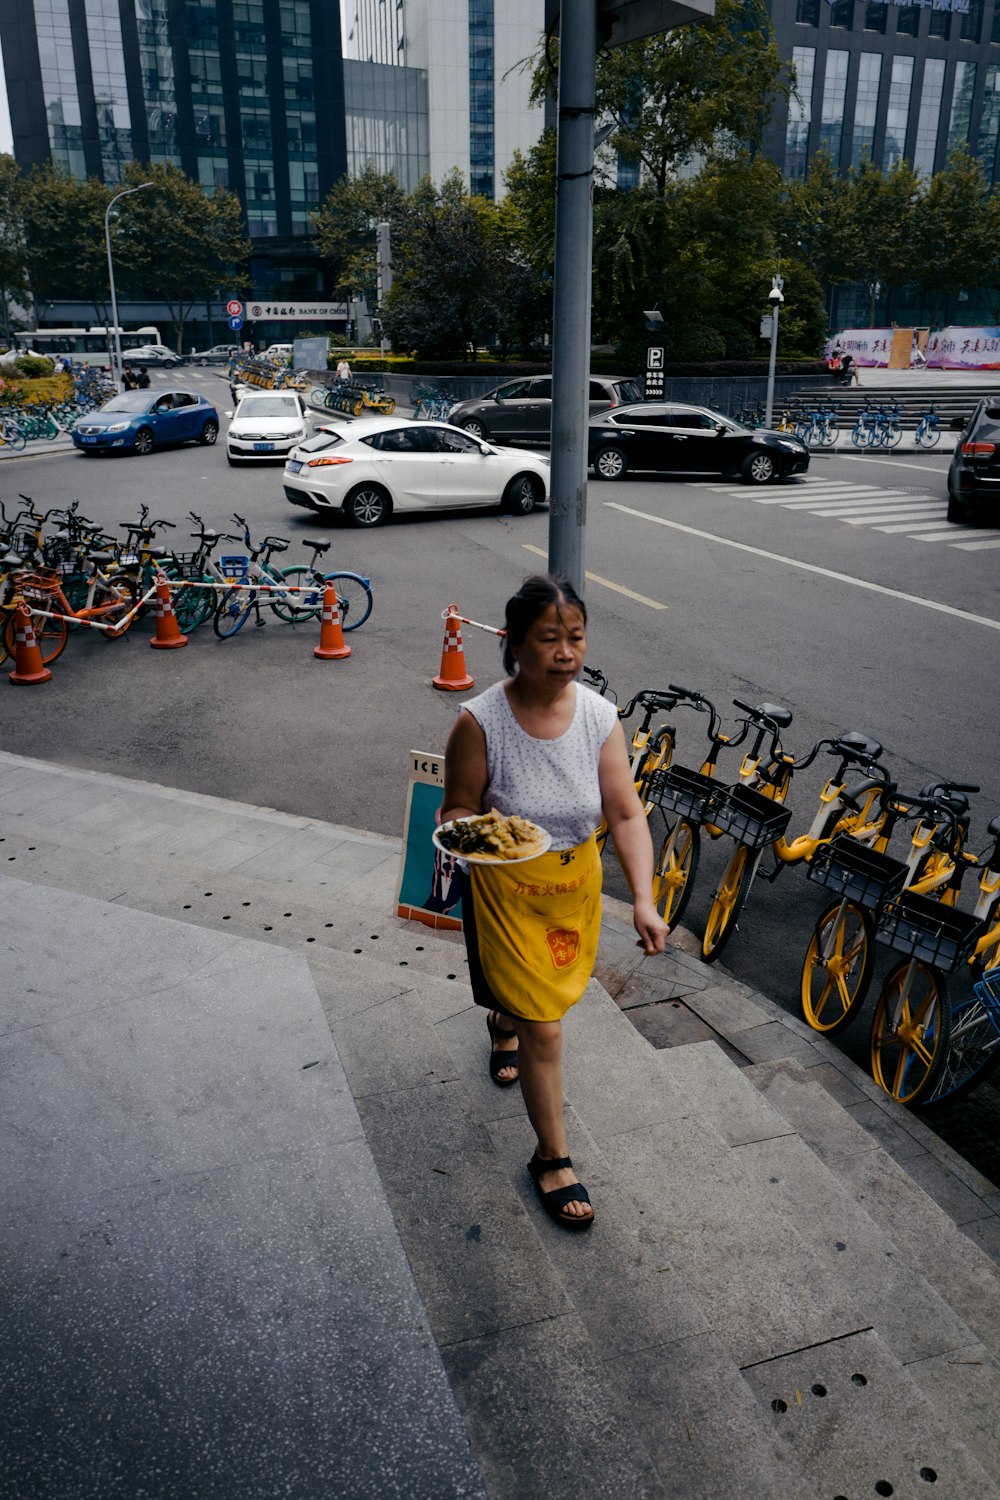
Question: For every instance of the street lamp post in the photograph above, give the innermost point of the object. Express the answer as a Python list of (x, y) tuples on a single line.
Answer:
[(775, 299), (116, 360)]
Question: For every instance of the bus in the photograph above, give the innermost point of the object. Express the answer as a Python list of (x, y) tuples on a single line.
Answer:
[(85, 344)]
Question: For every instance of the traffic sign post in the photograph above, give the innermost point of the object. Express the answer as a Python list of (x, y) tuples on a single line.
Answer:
[(235, 323), (234, 307)]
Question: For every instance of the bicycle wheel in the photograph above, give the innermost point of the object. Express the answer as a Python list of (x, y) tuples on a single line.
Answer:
[(728, 902), (307, 606), (120, 593), (931, 433), (232, 612), (387, 406), (910, 1032), (354, 598), (51, 635), (13, 436), (675, 871), (973, 1052), (893, 434), (837, 969), (861, 435)]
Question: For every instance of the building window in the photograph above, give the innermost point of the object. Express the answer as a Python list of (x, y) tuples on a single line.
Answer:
[(908, 21), (800, 112), (989, 124), (940, 24), (842, 14), (995, 33), (897, 114), (875, 14), (807, 12), (866, 107), (961, 104), (929, 116), (971, 24), (831, 127), (481, 98)]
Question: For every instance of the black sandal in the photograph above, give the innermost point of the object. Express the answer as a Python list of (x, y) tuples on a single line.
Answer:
[(555, 1201), (498, 1058)]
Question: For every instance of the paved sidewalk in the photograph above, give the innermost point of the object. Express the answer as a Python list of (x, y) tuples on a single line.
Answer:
[(268, 1229)]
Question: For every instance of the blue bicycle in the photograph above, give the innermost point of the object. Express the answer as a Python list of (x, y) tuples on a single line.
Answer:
[(928, 429)]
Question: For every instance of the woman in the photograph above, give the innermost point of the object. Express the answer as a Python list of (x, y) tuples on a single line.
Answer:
[(542, 746)]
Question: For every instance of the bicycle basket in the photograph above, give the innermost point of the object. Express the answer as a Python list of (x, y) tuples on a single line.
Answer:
[(689, 793), (235, 568), (749, 817), (41, 585), (922, 928), (850, 868), (987, 990)]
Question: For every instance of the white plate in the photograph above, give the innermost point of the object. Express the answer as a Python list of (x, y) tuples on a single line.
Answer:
[(487, 859)]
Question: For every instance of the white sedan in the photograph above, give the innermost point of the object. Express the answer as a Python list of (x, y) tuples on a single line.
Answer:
[(372, 467), (266, 424)]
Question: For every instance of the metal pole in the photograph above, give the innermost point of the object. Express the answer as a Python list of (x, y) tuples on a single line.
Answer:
[(771, 363), (116, 358), (571, 296)]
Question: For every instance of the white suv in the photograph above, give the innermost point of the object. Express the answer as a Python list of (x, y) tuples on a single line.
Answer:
[(266, 425)]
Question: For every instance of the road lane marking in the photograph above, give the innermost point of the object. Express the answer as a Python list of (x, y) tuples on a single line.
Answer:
[(794, 562), (619, 588), (894, 463), (976, 546)]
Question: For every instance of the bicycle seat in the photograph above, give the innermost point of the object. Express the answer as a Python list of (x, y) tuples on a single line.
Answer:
[(102, 559), (276, 544), (994, 827), (780, 716), (858, 744), (12, 560), (321, 546)]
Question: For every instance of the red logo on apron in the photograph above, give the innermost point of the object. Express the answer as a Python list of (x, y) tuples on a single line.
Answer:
[(564, 946)]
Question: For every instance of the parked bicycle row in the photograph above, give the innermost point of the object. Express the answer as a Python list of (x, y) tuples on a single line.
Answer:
[(71, 572), (353, 397), (874, 427), (923, 1049)]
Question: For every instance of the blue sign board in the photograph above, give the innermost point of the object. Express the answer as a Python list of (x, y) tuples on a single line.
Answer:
[(236, 324)]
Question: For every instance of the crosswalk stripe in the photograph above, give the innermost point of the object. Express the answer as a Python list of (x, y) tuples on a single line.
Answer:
[(834, 502), (922, 517), (910, 525), (926, 534), (885, 510), (976, 546)]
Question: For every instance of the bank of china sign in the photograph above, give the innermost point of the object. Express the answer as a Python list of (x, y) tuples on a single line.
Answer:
[(295, 312), (961, 7)]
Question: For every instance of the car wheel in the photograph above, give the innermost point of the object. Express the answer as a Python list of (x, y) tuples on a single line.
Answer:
[(209, 433), (203, 362), (758, 468), (475, 429), (168, 364), (958, 511), (610, 463), (143, 442), (522, 494), (368, 505)]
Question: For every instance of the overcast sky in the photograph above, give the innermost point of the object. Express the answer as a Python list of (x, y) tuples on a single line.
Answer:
[(6, 139)]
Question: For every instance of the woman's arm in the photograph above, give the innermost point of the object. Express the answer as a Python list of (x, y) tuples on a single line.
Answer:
[(629, 831), (466, 770)]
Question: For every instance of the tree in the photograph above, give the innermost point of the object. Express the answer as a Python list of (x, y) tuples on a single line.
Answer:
[(13, 276), (177, 244), (879, 226), (954, 233), (451, 268), (64, 238), (345, 227), (689, 90), (531, 202)]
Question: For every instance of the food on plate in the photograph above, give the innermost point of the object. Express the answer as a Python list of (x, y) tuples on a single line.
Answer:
[(493, 835)]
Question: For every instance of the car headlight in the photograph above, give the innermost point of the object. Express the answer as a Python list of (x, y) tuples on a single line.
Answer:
[(117, 427), (792, 447)]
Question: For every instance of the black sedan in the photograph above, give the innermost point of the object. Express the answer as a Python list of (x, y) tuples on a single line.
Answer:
[(675, 439), (974, 473)]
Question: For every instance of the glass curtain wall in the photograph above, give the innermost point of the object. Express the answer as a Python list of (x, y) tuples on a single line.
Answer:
[(206, 94), (897, 115), (107, 66), (300, 113), (62, 99), (831, 129), (800, 113), (159, 88), (989, 124), (929, 116), (481, 97), (961, 104), (866, 107)]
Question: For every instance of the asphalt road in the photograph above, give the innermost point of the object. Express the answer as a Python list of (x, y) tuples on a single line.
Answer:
[(843, 596)]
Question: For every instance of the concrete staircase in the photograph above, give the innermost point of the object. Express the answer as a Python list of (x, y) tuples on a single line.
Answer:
[(849, 400), (788, 1292)]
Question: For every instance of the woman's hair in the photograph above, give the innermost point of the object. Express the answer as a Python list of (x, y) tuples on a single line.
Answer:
[(532, 599)]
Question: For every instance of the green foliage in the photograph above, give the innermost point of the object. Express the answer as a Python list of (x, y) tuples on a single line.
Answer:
[(64, 238), (13, 271), (345, 228), (34, 366), (955, 242)]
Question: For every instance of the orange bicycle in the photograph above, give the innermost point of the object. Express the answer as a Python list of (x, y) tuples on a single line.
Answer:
[(109, 606)]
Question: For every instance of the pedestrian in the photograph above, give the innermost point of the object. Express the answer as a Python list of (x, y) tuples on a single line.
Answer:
[(128, 379), (848, 370), (541, 745), (343, 368), (142, 379)]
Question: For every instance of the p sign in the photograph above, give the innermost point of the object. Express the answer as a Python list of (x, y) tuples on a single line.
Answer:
[(234, 307)]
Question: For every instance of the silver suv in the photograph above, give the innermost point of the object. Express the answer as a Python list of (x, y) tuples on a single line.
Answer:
[(521, 410)]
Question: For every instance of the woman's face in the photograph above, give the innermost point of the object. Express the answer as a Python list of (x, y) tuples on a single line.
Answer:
[(554, 648)]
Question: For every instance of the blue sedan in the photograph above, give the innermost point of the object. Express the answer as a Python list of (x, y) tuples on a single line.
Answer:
[(144, 420)]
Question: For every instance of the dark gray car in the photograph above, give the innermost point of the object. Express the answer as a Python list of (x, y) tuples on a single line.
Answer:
[(521, 410), (974, 472)]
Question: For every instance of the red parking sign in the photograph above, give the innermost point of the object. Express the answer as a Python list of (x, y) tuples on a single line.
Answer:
[(234, 308)]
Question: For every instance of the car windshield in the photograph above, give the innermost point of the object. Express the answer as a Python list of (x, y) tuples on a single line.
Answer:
[(629, 391), (128, 401), (323, 439), (268, 406)]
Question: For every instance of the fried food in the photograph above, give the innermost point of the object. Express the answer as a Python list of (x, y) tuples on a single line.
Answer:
[(494, 836)]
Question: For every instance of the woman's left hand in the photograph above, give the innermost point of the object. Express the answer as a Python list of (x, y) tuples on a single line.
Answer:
[(653, 931)]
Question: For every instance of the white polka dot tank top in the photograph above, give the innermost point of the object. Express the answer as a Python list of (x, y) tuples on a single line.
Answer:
[(552, 782)]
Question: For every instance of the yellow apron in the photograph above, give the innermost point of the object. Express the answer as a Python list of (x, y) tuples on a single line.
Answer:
[(538, 925)]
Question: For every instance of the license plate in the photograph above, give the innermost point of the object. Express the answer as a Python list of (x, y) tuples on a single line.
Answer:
[(263, 447), (293, 466), (87, 439)]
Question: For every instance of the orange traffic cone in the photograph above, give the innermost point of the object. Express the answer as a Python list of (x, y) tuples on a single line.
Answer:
[(168, 633), (453, 678), (28, 664), (331, 633)]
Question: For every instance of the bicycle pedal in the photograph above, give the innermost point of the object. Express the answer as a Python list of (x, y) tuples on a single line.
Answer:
[(259, 624)]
